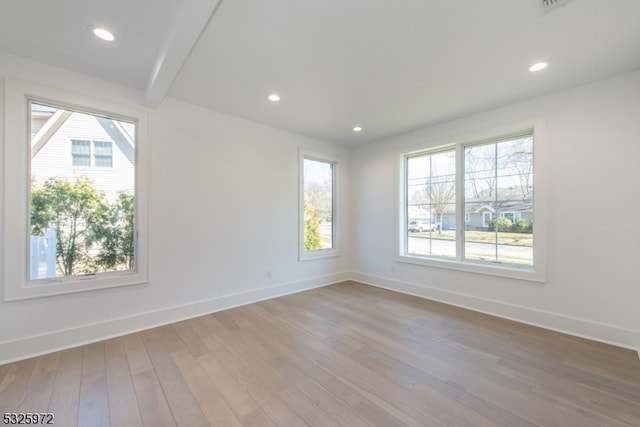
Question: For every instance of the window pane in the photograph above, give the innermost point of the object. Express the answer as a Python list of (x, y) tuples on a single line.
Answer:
[(431, 208), (318, 204), (81, 223), (81, 153), (499, 202), (103, 154)]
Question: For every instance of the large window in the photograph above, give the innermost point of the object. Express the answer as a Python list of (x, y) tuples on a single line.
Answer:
[(77, 222), (317, 206), (471, 206)]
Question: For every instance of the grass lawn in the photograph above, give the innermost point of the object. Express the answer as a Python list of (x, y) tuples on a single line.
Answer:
[(504, 238)]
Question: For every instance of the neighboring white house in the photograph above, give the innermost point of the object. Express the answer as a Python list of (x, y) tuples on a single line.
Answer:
[(70, 144)]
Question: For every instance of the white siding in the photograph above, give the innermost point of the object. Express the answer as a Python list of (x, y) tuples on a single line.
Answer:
[(54, 159)]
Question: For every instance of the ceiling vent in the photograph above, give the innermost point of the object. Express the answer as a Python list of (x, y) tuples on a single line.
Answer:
[(548, 5)]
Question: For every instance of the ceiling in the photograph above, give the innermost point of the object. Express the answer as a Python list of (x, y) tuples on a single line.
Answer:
[(390, 67)]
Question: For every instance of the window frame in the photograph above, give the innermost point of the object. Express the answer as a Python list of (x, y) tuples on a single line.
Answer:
[(335, 250), (538, 272), (17, 284)]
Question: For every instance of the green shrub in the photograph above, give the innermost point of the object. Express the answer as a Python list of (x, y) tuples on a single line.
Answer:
[(523, 226), (502, 224)]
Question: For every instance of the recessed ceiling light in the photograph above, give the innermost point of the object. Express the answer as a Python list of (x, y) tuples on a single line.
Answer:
[(103, 34), (274, 97), (357, 129), (538, 66)]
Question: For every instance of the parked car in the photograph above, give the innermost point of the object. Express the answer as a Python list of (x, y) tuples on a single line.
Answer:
[(420, 226)]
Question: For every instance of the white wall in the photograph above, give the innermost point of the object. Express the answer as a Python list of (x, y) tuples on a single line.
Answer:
[(223, 211), (591, 165)]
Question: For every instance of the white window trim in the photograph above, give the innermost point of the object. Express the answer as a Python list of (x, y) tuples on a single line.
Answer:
[(538, 273), (335, 251), (16, 283)]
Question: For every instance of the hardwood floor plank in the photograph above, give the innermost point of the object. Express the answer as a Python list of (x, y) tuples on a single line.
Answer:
[(299, 367), (209, 398), (367, 382), (15, 383), (40, 385), (230, 388), (153, 405), (266, 343), (93, 407), (307, 409), (257, 418), (184, 408), (137, 356), (190, 338), (262, 393), (65, 396), (123, 403)]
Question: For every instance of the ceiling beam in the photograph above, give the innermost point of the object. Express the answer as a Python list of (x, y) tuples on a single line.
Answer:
[(180, 41)]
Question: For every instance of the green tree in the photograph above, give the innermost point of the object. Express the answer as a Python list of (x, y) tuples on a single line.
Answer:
[(311, 228), (116, 235), (73, 210)]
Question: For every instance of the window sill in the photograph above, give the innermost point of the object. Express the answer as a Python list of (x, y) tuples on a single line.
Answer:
[(511, 272), (318, 254), (60, 286)]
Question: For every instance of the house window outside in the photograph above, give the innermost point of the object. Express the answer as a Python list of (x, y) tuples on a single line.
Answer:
[(477, 199), (511, 216), (103, 154), (81, 153), (317, 207), (72, 229)]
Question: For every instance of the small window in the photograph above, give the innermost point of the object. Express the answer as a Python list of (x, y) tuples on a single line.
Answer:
[(102, 154), (318, 207), (80, 151)]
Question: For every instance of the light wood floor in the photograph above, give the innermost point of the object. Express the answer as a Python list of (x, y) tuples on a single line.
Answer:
[(345, 355)]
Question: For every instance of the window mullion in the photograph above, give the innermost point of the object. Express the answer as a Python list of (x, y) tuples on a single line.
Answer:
[(460, 203)]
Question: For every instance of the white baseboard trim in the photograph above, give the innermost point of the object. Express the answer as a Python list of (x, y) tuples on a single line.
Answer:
[(608, 334), (24, 348)]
